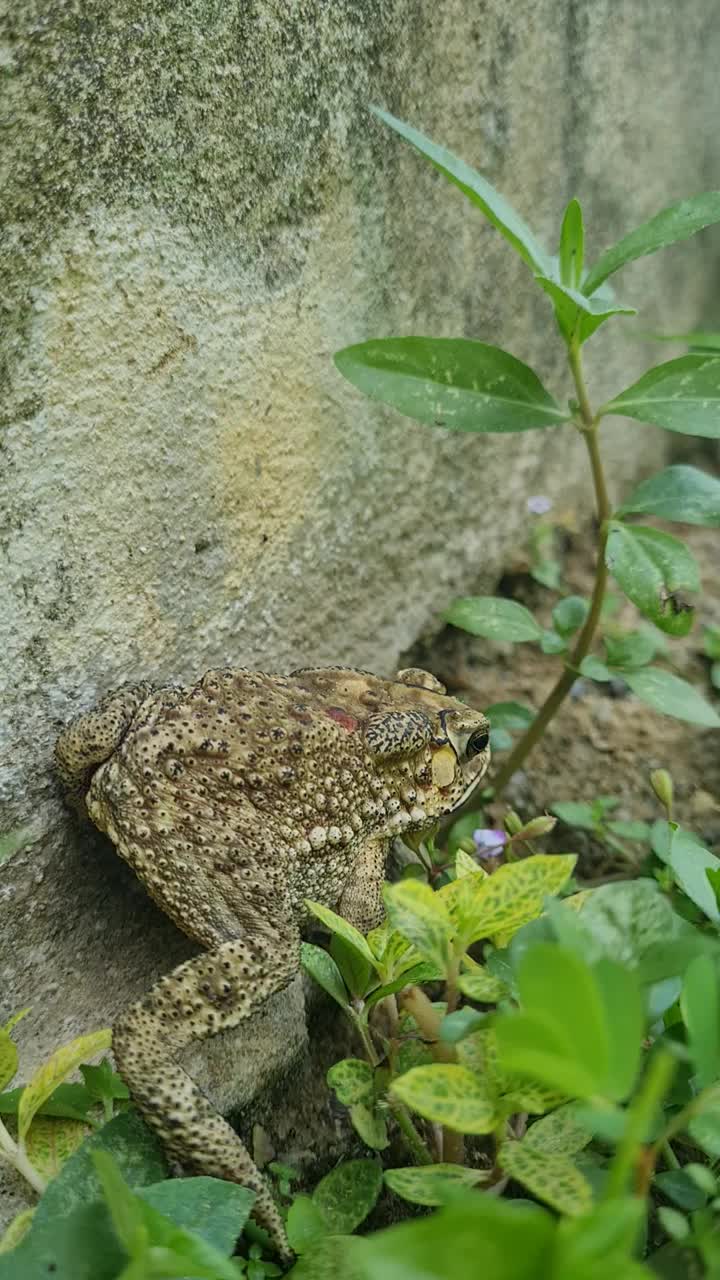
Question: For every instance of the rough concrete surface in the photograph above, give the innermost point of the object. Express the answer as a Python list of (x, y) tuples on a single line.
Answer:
[(197, 210)]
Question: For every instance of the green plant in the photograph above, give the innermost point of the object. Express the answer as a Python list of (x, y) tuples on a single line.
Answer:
[(464, 385), (578, 1056)]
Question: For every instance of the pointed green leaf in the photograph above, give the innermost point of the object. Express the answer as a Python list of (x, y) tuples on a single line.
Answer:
[(578, 317), (59, 1065), (678, 493), (494, 618), (651, 566), (572, 238), (211, 1208), (677, 222), (682, 395), (593, 669), (560, 1132), (347, 931), (321, 966), (497, 906), (346, 1195), (493, 205), (449, 1094), (430, 1183), (549, 1176), (421, 916), (672, 696), (305, 1224), (370, 1124), (451, 382)]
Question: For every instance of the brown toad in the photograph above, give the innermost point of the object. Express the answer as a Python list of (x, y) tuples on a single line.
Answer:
[(234, 801)]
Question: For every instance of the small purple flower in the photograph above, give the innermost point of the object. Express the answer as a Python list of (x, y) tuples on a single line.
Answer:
[(539, 505), (489, 843)]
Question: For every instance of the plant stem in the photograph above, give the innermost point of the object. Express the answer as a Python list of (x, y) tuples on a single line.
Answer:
[(588, 427), (16, 1155), (413, 1141), (631, 1152)]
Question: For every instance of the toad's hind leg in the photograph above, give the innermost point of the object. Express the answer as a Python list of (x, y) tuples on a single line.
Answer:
[(214, 991)]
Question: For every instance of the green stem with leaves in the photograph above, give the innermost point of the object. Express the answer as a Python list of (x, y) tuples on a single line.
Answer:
[(587, 425)]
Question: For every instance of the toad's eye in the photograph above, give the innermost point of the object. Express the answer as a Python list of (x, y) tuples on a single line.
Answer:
[(477, 742)]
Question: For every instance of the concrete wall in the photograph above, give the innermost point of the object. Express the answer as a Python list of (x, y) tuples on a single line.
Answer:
[(197, 211)]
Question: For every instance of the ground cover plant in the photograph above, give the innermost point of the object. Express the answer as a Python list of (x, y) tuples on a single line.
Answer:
[(536, 1083), (463, 385)]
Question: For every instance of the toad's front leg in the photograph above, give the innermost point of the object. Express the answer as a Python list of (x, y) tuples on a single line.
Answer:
[(213, 992)]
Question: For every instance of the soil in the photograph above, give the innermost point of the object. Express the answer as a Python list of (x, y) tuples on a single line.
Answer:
[(604, 741)]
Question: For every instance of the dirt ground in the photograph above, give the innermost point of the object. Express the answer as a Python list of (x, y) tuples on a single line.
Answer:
[(604, 741)]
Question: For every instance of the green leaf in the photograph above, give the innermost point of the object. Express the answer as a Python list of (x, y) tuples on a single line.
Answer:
[(430, 1183), (508, 715), (482, 986), (678, 493), (559, 1132), (102, 1083), (551, 642), (494, 618), (672, 696), (633, 649), (50, 1142), (449, 1094), (677, 222), (211, 1208), (16, 1229), (550, 1176), (370, 1124), (59, 1065), (346, 1195), (513, 895), (305, 1224), (414, 976), (675, 1223), (355, 969), (347, 931), (575, 814), (624, 921), (351, 1080), (577, 315), (8, 1058), (321, 966), (704, 1127), (602, 1243), (651, 566), (451, 382), (580, 1028), (569, 614), (572, 238), (143, 1231), (678, 1187), (493, 205), (700, 1005), (68, 1101), (682, 395), (593, 669), (421, 916), (473, 1236), (711, 649), (70, 1235), (460, 1024), (690, 861)]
